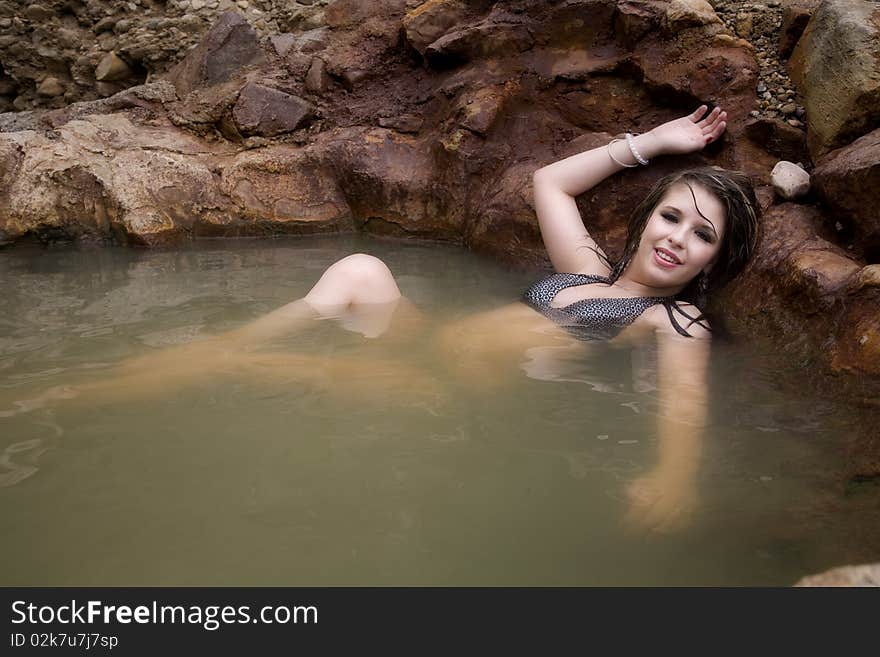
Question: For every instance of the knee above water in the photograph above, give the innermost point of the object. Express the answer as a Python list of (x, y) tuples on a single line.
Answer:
[(366, 267)]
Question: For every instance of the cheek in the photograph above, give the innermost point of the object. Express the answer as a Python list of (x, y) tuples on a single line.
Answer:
[(704, 253)]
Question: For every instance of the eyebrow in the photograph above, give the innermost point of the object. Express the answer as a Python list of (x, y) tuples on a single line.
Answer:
[(679, 212)]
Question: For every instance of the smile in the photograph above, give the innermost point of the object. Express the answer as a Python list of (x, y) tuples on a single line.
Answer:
[(665, 259)]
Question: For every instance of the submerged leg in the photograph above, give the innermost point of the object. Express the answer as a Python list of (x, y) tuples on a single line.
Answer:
[(489, 349), (358, 290)]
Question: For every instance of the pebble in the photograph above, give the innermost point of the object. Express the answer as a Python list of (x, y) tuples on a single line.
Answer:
[(775, 91)]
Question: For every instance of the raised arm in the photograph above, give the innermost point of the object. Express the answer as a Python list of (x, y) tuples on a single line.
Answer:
[(556, 185)]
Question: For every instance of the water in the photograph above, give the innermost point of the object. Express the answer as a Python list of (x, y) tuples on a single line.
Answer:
[(251, 477)]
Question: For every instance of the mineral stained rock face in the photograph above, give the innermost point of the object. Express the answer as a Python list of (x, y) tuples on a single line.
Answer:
[(427, 119), (76, 44)]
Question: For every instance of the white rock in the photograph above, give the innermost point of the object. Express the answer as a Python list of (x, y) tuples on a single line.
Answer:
[(789, 180)]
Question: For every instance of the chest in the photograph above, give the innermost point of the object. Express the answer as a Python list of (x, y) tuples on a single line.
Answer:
[(575, 293)]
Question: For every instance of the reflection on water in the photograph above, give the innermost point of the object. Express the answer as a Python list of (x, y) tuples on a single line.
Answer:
[(257, 476)]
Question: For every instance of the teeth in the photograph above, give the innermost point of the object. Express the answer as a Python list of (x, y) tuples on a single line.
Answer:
[(667, 258)]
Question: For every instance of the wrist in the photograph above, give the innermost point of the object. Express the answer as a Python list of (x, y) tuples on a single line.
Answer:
[(648, 145)]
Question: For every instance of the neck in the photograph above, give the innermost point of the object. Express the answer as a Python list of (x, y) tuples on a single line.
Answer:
[(631, 282)]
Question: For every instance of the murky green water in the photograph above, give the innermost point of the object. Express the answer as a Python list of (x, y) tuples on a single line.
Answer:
[(246, 479)]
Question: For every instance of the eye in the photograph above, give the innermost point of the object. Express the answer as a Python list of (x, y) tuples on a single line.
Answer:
[(669, 217), (703, 235)]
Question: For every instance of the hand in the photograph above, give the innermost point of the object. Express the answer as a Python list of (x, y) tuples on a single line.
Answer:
[(659, 504), (690, 133)]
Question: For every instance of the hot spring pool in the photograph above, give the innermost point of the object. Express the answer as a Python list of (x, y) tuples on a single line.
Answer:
[(241, 479)]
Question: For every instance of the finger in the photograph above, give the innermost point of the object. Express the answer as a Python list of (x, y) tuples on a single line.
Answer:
[(716, 133), (714, 119), (695, 117), (711, 118)]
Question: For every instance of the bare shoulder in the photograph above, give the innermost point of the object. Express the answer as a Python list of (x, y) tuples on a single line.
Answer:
[(685, 315)]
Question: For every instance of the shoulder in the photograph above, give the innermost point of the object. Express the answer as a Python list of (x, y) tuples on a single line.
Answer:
[(682, 313)]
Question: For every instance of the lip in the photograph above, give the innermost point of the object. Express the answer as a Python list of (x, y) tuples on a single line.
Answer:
[(660, 261)]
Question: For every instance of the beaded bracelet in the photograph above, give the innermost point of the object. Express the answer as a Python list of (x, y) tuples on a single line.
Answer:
[(632, 147)]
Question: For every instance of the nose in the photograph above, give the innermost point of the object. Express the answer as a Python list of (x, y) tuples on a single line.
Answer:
[(678, 236)]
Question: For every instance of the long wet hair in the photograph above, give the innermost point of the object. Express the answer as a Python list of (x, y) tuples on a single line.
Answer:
[(735, 191)]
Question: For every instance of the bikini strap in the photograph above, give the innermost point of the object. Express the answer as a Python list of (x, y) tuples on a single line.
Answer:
[(669, 305)]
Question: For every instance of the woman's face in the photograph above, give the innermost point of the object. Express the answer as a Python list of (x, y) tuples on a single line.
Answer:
[(682, 237)]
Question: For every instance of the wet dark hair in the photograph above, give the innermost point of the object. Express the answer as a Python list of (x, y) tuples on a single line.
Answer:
[(735, 191)]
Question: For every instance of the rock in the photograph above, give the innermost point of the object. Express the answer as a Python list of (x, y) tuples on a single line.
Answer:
[(848, 182), (868, 276), (840, 91), (268, 112), (675, 68), (486, 39), (795, 16), (430, 21), (797, 292), (230, 45), (104, 177), (307, 42), (387, 181), (790, 181), (633, 20), (123, 25), (317, 80), (352, 78), (282, 43), (312, 40), (38, 13), (406, 123), (865, 575), (347, 13), (111, 67), (778, 138), (481, 109), (106, 89), (682, 14), (50, 87), (288, 187)]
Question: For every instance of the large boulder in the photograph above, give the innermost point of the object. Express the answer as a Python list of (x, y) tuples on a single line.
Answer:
[(229, 45), (848, 181), (836, 67), (431, 20), (268, 112), (387, 179), (808, 296)]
